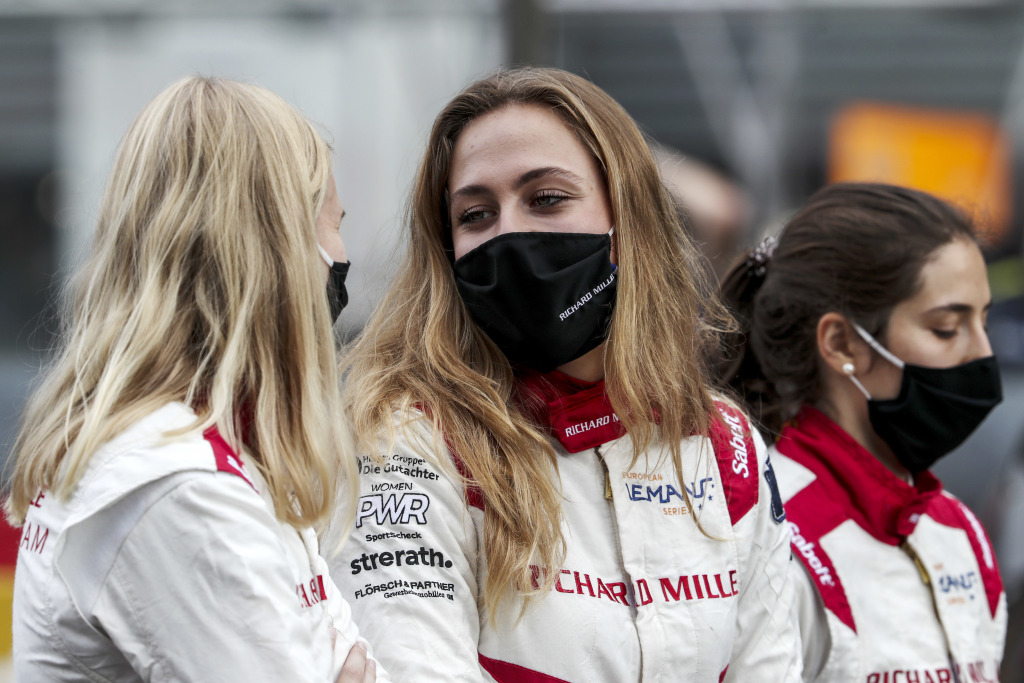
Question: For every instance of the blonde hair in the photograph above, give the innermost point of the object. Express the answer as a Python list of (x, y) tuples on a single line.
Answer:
[(422, 348), (203, 286)]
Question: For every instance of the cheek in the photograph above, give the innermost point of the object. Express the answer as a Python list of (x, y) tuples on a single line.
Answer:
[(463, 243), (886, 382)]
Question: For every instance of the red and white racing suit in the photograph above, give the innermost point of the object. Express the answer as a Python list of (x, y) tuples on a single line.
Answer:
[(901, 584), (168, 564), (643, 595)]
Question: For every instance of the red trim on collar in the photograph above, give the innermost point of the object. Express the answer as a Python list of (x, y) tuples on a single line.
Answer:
[(853, 481), (850, 483), (577, 412), (225, 457)]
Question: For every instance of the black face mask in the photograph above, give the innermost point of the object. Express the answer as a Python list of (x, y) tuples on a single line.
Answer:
[(936, 409), (337, 295), (545, 298)]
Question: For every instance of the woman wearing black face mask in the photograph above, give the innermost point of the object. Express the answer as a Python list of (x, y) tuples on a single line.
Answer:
[(865, 356), (551, 492)]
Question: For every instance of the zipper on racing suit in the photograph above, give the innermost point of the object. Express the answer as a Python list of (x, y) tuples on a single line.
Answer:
[(926, 579), (607, 476)]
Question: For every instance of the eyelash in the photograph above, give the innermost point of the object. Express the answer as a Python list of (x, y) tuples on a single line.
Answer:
[(549, 194), (466, 216), (944, 334)]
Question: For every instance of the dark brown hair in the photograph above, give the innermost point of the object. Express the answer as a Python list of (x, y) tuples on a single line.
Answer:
[(854, 248)]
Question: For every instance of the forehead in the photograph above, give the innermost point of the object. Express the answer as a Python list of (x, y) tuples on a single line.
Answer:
[(514, 139), (955, 274)]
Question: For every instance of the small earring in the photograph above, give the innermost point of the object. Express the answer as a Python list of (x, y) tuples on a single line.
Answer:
[(848, 368)]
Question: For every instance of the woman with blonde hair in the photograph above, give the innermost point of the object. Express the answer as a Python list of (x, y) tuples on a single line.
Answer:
[(550, 490), (184, 442)]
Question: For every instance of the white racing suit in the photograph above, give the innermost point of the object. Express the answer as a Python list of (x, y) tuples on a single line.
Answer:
[(900, 582), (643, 595), (168, 564)]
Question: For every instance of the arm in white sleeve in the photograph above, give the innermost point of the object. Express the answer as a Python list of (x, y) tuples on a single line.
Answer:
[(346, 630), (815, 636), (208, 587), (410, 567), (767, 647)]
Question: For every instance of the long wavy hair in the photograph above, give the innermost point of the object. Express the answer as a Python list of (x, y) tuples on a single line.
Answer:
[(203, 286), (854, 248), (421, 348)]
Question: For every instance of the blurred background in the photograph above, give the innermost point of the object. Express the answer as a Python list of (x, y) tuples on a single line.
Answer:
[(751, 104)]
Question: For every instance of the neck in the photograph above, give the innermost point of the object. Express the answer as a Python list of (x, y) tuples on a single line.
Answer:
[(852, 416), (589, 367)]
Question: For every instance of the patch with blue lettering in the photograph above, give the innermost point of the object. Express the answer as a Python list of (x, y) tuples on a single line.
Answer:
[(778, 512)]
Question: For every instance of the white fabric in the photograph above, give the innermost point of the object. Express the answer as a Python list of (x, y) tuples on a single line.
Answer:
[(161, 568), (426, 618), (905, 630)]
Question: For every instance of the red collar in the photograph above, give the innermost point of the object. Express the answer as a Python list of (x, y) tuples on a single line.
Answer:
[(883, 504), (578, 413)]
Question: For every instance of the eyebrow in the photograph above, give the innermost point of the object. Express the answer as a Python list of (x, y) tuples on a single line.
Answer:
[(956, 308), (529, 176)]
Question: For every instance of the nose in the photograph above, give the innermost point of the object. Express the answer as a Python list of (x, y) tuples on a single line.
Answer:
[(511, 219), (980, 347)]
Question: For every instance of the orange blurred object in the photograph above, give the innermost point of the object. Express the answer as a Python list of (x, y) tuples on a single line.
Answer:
[(962, 157)]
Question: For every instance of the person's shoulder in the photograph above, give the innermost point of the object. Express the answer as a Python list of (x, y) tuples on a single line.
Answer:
[(162, 444), (742, 461), (791, 475)]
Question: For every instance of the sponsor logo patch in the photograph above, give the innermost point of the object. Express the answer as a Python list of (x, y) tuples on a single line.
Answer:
[(34, 537), (373, 538), (424, 557), (408, 465), (806, 548), (313, 593), (663, 494), (738, 443), (975, 672), (404, 508), (399, 587), (688, 587)]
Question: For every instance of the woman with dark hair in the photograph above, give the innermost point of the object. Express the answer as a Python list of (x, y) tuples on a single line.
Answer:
[(551, 489), (864, 355)]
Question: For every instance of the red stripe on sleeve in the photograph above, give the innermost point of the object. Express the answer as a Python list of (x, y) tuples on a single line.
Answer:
[(737, 460)]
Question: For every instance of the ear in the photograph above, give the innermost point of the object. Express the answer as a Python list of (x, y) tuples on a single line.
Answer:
[(840, 347)]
